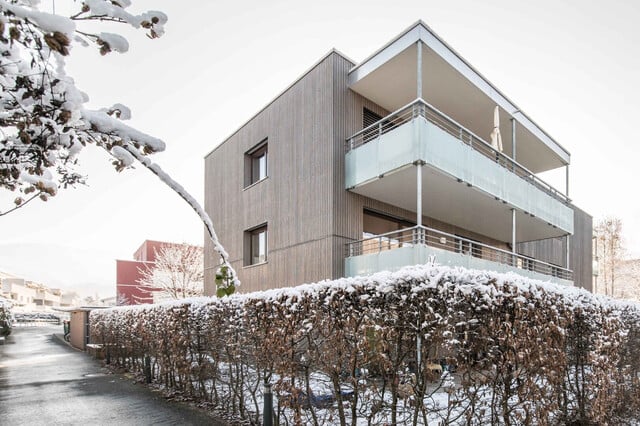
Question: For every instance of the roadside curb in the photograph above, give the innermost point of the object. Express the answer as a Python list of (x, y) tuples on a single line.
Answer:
[(60, 339)]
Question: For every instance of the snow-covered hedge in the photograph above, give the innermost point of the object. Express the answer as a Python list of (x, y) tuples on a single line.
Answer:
[(6, 318), (369, 350)]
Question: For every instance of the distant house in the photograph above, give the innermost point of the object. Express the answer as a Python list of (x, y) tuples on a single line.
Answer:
[(46, 296), (410, 154), (17, 290), (129, 274), (28, 296), (70, 299)]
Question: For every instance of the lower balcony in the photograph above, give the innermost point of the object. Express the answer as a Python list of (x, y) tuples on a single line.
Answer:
[(416, 245)]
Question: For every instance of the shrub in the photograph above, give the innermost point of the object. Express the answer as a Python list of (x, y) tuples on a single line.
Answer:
[(525, 352)]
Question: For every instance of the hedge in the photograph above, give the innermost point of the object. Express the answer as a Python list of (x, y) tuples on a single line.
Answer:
[(369, 350)]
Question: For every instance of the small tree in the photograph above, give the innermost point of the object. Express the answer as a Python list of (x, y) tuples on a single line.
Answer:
[(610, 251), (177, 273), (628, 279)]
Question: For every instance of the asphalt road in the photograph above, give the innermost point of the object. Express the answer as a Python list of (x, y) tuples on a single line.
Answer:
[(45, 382)]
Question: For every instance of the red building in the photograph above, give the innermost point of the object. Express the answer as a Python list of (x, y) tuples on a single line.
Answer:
[(128, 274)]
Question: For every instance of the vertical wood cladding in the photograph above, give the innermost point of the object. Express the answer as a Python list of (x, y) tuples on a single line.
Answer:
[(580, 249), (554, 250), (347, 116), (294, 200)]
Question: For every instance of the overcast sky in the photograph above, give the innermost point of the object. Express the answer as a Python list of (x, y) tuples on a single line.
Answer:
[(572, 66)]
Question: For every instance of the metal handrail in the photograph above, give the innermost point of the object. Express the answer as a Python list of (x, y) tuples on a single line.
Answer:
[(420, 108), (432, 237)]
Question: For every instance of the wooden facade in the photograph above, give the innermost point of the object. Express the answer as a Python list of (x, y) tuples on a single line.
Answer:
[(294, 201), (309, 214), (554, 250)]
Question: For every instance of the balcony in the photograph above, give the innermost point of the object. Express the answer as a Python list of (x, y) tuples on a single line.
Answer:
[(467, 182), (416, 245), (419, 64)]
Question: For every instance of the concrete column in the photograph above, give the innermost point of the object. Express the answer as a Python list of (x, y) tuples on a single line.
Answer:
[(419, 194), (566, 185)]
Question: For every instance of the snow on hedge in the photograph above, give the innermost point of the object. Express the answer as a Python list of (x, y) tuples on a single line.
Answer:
[(524, 351), (6, 317)]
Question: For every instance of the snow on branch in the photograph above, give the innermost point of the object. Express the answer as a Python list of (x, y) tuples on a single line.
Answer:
[(44, 124), (217, 246), (47, 22), (43, 121)]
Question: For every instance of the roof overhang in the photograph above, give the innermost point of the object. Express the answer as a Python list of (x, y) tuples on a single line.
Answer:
[(449, 83)]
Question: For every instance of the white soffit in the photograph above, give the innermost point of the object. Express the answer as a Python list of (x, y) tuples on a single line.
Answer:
[(401, 53), (455, 203)]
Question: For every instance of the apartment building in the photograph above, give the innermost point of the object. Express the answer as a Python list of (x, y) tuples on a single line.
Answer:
[(129, 273), (180, 269), (406, 156), (28, 296), (46, 296), (18, 290)]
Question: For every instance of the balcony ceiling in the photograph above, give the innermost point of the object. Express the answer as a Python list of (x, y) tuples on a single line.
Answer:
[(453, 202), (389, 78)]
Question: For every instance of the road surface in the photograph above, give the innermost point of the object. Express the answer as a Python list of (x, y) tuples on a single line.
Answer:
[(45, 382)]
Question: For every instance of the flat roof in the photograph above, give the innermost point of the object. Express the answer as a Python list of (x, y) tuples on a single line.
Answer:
[(311, 68), (420, 31)]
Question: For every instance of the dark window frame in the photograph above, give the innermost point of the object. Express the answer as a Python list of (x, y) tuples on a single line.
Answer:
[(253, 168), (252, 242)]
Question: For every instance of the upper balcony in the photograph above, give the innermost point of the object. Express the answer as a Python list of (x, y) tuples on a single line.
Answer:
[(467, 183), (419, 64)]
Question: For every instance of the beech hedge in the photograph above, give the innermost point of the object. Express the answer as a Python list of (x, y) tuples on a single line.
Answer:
[(425, 345)]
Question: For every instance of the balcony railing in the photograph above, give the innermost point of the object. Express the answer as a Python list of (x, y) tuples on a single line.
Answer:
[(419, 108), (432, 237)]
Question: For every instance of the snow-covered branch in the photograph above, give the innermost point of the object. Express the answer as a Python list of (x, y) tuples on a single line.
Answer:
[(44, 124), (43, 121)]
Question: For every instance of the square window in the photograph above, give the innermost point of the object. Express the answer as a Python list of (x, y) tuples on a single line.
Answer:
[(255, 246), (255, 164)]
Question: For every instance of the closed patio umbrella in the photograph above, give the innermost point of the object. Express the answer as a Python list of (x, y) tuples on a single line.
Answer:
[(496, 139)]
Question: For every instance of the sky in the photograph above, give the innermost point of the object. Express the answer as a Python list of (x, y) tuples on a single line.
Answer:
[(571, 66)]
